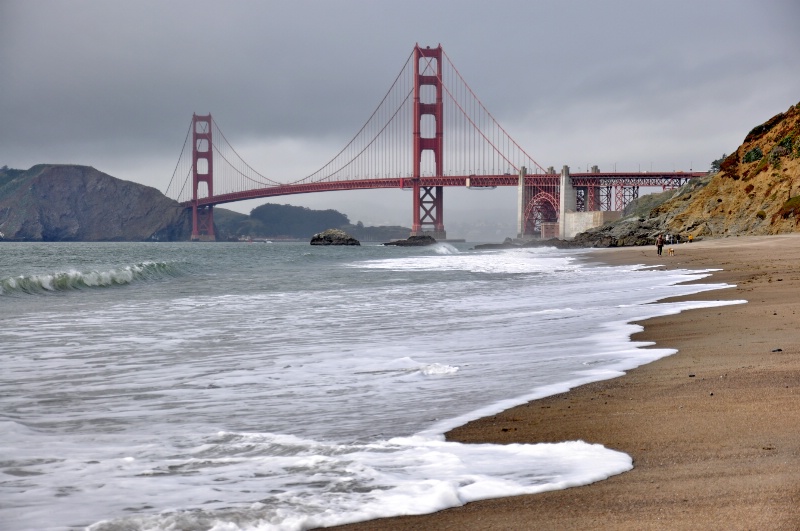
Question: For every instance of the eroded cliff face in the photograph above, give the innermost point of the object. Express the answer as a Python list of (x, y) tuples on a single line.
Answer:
[(79, 203), (757, 191)]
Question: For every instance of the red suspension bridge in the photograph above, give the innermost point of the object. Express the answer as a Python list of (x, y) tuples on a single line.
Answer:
[(429, 131)]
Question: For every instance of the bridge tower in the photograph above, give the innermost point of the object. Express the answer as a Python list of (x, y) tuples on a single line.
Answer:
[(428, 200), (202, 172)]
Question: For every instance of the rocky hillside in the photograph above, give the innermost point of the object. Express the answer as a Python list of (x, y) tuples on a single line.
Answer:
[(757, 191), (78, 203)]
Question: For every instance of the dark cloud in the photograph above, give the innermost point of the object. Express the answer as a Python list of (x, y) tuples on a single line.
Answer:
[(115, 83)]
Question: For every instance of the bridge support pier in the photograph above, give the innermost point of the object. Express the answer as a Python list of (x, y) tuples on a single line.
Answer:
[(428, 200), (202, 172), (521, 203), (567, 201), (203, 223)]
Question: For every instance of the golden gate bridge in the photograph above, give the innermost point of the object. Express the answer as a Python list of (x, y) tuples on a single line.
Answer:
[(430, 131)]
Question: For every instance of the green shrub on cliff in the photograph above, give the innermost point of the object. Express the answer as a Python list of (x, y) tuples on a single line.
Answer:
[(776, 154), (786, 142), (753, 155)]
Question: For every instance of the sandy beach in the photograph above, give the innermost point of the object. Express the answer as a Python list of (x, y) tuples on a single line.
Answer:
[(714, 430)]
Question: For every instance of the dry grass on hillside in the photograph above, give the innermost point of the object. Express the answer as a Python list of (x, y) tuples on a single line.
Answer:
[(757, 190)]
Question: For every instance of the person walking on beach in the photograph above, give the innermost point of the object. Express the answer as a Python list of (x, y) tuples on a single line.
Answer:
[(659, 243)]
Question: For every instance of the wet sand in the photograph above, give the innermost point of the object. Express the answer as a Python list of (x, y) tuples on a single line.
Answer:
[(714, 430)]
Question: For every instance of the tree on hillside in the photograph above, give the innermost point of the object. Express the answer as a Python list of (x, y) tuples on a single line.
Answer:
[(715, 165)]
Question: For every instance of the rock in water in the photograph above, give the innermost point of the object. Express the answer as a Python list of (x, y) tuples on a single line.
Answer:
[(333, 237), (414, 241)]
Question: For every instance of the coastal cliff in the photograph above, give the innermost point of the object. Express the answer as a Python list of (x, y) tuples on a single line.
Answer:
[(56, 202), (755, 192)]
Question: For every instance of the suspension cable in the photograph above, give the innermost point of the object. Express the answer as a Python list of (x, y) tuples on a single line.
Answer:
[(270, 181), (311, 176), (489, 114), (183, 150)]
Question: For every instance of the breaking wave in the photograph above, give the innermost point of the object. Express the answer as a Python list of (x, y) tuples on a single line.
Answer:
[(77, 280)]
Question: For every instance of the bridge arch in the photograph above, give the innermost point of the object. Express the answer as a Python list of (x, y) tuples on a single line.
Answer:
[(542, 208)]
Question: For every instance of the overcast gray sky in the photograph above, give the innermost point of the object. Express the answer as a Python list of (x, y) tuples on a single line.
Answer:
[(625, 84)]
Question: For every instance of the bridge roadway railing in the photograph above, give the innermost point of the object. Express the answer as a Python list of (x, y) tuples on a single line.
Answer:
[(631, 179), (361, 184), (654, 179)]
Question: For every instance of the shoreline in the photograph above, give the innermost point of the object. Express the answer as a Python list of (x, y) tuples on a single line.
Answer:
[(714, 430)]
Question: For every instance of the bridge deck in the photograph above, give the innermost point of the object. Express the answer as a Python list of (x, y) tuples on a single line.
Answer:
[(627, 179)]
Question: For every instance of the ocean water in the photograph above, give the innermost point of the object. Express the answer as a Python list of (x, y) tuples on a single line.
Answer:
[(194, 386)]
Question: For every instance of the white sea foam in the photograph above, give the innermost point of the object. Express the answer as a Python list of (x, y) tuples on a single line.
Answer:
[(508, 261), (438, 368), (445, 248), (410, 475)]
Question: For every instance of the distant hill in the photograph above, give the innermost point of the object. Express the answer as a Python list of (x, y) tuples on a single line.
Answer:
[(756, 191), (57, 202), (60, 202), (293, 222), (227, 224)]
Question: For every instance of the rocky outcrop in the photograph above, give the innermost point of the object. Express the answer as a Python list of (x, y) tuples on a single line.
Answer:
[(56, 202), (333, 237), (413, 241), (636, 231)]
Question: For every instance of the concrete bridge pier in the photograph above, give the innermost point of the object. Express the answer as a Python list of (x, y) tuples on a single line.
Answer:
[(568, 201), (523, 171)]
